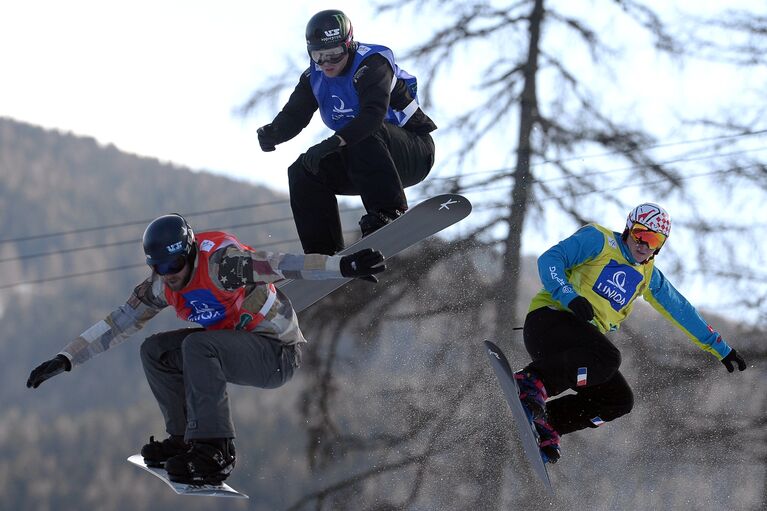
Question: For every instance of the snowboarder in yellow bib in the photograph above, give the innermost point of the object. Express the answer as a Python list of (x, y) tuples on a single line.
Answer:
[(590, 282)]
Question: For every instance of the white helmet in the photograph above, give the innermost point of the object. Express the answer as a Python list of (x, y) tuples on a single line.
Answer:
[(652, 216)]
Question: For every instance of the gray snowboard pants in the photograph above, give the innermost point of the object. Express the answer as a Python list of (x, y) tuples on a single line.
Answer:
[(188, 370)]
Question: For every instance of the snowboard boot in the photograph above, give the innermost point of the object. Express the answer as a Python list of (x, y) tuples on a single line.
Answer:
[(548, 441), (371, 222), (532, 393), (209, 461), (157, 453)]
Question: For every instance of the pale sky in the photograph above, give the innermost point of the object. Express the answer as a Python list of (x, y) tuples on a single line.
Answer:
[(158, 79), (161, 79)]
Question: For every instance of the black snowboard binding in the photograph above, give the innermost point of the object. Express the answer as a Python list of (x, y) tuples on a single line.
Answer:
[(207, 462), (371, 222), (157, 453)]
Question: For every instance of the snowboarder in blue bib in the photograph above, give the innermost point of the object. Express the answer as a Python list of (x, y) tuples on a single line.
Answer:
[(381, 142), (590, 282)]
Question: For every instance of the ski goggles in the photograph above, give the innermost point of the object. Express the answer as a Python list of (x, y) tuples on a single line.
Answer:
[(329, 56), (170, 267), (642, 234)]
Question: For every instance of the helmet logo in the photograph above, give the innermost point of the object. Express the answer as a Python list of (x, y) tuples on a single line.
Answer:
[(642, 217), (175, 247), (327, 29)]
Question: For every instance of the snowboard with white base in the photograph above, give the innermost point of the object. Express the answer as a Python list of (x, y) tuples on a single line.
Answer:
[(416, 224), (527, 433), (208, 490)]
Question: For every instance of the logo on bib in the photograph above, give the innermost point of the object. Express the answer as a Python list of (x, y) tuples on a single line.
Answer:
[(339, 109), (617, 284), (206, 309)]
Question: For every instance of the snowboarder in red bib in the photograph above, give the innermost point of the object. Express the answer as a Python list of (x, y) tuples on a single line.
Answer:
[(590, 282), (381, 141), (248, 335)]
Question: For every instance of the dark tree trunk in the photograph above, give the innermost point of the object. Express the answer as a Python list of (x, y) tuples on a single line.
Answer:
[(521, 188)]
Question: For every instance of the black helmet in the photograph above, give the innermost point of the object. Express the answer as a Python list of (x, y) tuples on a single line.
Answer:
[(328, 29), (166, 240)]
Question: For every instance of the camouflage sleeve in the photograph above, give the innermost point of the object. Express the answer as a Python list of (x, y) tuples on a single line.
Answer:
[(237, 267), (144, 303)]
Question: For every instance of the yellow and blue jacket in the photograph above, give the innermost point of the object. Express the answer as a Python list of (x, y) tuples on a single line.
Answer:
[(596, 263)]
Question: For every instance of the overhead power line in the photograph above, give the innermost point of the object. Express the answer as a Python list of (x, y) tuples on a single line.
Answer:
[(126, 242), (126, 267), (278, 202), (482, 190), (139, 222), (465, 189), (508, 171), (490, 188)]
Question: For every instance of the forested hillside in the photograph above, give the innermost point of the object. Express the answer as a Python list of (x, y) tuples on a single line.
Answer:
[(61, 444), (52, 183)]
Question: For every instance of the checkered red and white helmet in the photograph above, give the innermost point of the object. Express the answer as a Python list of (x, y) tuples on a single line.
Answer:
[(651, 216)]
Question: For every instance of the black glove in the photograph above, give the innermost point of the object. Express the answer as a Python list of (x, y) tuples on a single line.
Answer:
[(267, 138), (581, 308), (313, 155), (363, 264), (731, 357), (47, 370)]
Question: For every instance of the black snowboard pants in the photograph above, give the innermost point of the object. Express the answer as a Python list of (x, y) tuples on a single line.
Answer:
[(568, 353), (377, 169), (188, 371)]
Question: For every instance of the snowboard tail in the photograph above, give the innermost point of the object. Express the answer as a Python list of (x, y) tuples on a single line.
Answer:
[(528, 435)]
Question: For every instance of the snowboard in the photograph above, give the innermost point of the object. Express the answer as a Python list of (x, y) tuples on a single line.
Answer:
[(221, 490), (416, 224), (527, 433)]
